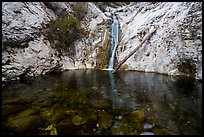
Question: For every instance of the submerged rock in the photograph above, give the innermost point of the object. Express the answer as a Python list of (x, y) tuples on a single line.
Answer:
[(12, 109), (101, 131), (15, 101), (105, 120), (65, 127), (147, 133), (57, 116), (27, 112), (148, 126), (119, 128), (24, 124), (79, 120), (158, 131), (137, 116)]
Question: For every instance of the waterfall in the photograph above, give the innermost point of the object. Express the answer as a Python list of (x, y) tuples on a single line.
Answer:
[(114, 36)]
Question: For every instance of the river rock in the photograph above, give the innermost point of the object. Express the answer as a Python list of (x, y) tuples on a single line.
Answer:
[(57, 116), (119, 128), (15, 101), (105, 120), (26, 113), (137, 116), (147, 126), (66, 127), (24, 124), (12, 109), (147, 133), (79, 120)]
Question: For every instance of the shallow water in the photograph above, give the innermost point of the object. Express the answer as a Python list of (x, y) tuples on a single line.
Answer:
[(97, 102)]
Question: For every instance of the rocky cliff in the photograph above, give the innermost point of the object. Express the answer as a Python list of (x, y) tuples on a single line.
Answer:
[(36, 37), (175, 48), (28, 51)]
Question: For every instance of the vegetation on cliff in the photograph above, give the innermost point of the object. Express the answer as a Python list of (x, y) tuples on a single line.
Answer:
[(66, 28)]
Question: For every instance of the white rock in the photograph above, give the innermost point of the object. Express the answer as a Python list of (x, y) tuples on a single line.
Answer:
[(167, 47)]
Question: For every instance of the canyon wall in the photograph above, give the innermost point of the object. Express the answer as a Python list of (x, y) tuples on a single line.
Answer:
[(174, 49), (28, 50)]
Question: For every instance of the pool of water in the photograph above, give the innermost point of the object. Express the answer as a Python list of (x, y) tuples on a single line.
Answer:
[(97, 102)]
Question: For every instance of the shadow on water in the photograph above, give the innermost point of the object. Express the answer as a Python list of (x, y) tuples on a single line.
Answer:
[(97, 102)]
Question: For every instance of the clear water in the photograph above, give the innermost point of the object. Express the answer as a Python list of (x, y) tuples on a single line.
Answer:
[(97, 102)]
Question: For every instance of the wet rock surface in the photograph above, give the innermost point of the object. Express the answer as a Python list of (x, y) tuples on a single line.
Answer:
[(24, 124), (12, 109)]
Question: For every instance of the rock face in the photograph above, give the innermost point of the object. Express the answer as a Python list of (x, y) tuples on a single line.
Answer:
[(87, 49), (175, 48), (27, 52)]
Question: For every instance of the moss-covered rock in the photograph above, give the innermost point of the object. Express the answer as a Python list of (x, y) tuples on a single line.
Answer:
[(105, 120), (119, 129), (66, 127), (27, 112), (24, 124), (57, 116), (12, 109), (79, 118), (137, 116), (15, 101)]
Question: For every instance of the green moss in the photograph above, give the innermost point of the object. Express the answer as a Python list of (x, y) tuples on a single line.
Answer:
[(64, 31)]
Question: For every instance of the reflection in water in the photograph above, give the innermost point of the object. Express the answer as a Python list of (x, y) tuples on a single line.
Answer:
[(99, 102), (114, 95)]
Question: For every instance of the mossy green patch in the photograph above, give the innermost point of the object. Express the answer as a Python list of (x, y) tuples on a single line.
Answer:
[(64, 31)]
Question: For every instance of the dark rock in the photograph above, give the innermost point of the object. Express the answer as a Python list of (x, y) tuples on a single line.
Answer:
[(79, 120), (66, 128), (12, 109), (17, 101), (24, 124), (57, 117), (101, 131), (119, 128), (27, 112), (137, 116), (105, 120)]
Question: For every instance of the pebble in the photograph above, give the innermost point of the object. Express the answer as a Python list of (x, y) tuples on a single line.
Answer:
[(147, 126), (147, 133)]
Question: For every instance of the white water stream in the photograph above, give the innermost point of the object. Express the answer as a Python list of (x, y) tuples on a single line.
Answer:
[(114, 33)]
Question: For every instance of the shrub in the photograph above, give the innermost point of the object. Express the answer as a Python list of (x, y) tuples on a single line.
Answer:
[(80, 9), (63, 31)]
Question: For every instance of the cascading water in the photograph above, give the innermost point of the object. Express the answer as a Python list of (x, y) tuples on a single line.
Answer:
[(114, 36)]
